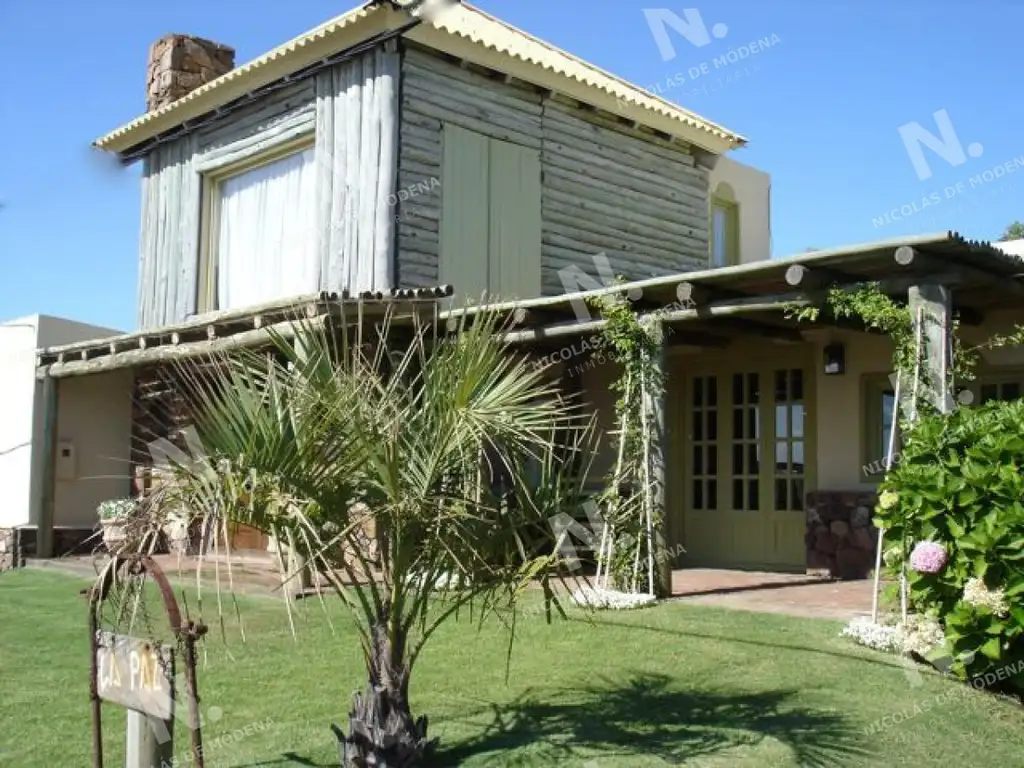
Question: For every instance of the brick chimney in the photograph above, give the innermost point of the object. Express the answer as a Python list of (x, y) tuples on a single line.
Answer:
[(179, 64)]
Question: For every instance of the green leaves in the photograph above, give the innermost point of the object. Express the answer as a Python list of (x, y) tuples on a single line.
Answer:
[(391, 451), (962, 485)]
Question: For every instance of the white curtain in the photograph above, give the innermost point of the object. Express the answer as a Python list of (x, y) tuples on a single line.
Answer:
[(267, 244)]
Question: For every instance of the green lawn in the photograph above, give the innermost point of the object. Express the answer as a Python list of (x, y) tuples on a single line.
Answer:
[(667, 685)]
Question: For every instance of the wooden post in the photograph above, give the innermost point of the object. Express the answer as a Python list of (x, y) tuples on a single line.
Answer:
[(44, 527), (150, 741), (935, 303), (654, 403)]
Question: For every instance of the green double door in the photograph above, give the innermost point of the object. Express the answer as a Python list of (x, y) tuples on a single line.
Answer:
[(748, 456)]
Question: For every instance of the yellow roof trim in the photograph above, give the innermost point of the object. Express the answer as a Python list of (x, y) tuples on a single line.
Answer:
[(461, 30)]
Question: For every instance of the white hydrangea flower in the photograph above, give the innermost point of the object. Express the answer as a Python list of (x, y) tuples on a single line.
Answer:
[(892, 555), (888, 499), (977, 594), (921, 635), (608, 598), (878, 636)]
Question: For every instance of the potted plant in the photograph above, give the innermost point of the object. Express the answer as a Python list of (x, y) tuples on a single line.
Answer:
[(116, 521)]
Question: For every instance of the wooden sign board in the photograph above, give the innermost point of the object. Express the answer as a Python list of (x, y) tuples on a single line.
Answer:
[(136, 674)]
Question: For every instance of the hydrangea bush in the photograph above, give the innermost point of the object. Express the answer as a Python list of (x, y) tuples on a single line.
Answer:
[(953, 509)]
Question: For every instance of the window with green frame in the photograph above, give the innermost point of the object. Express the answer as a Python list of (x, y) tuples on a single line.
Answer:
[(879, 409), (725, 227)]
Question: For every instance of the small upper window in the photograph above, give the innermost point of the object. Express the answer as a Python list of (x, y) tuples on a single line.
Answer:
[(261, 241), (725, 240)]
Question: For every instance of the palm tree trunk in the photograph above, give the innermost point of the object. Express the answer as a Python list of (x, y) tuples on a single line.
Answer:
[(382, 732)]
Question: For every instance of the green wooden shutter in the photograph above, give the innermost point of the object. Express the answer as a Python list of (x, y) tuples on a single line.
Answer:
[(515, 221), (464, 213), (490, 217)]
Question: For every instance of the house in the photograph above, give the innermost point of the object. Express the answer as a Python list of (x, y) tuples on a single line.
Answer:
[(384, 157), (91, 456)]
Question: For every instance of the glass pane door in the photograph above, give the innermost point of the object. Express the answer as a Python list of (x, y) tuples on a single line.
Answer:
[(746, 453), (704, 458), (789, 440)]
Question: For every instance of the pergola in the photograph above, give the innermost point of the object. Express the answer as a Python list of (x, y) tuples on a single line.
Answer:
[(945, 274)]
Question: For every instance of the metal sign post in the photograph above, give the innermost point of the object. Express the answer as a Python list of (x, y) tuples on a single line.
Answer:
[(138, 673)]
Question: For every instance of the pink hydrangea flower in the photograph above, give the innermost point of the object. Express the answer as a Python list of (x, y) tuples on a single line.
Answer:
[(928, 557)]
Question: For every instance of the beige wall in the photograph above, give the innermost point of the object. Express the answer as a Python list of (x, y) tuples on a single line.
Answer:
[(840, 406), (94, 419), (841, 416), (752, 189)]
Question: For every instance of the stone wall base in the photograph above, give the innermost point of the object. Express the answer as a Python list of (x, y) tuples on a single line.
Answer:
[(840, 536), (16, 544)]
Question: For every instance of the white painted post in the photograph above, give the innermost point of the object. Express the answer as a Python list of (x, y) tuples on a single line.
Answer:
[(150, 741), (648, 491)]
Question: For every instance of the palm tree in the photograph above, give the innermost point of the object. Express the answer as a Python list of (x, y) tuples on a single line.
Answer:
[(417, 482)]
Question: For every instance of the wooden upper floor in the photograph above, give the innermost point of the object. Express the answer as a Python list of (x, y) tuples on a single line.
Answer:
[(421, 160)]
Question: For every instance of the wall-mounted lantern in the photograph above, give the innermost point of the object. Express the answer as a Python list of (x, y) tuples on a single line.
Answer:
[(835, 359)]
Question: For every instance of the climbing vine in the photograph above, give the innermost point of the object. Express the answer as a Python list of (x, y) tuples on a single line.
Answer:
[(628, 549), (882, 313)]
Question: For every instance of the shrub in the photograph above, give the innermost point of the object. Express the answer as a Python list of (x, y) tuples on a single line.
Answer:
[(117, 509), (960, 485)]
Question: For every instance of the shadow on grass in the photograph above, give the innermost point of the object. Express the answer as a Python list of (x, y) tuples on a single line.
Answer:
[(289, 758), (648, 718), (892, 662)]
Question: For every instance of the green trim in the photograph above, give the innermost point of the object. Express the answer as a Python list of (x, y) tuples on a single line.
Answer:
[(726, 203), (872, 445), (209, 226)]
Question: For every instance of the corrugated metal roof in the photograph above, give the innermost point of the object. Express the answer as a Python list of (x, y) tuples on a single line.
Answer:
[(462, 30), (994, 276)]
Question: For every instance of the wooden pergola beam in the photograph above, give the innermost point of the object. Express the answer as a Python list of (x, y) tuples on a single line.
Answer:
[(725, 308), (172, 353), (697, 295), (750, 327), (962, 273), (680, 338), (819, 278)]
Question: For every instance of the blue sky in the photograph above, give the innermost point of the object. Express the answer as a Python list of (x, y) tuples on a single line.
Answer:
[(821, 106)]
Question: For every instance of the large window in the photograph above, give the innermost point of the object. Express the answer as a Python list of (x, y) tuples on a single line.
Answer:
[(260, 238), (725, 236), (880, 410)]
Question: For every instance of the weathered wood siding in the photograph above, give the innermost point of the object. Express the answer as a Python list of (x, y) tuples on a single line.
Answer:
[(605, 187), (350, 111), (172, 195)]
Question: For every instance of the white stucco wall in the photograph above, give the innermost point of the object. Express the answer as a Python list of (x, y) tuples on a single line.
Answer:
[(94, 419), (17, 418), (1012, 247), (752, 189)]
